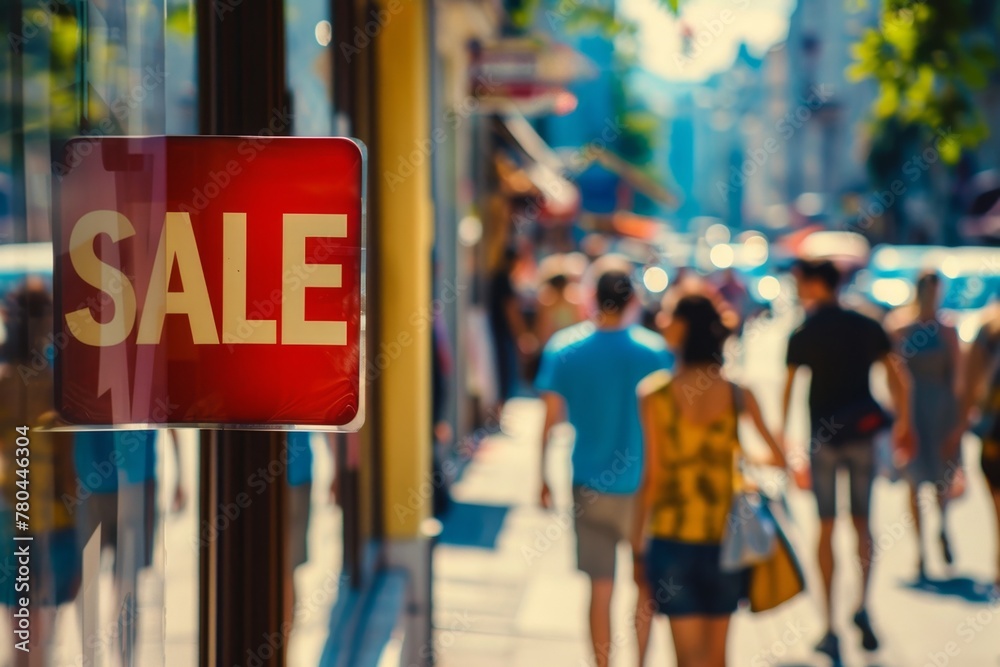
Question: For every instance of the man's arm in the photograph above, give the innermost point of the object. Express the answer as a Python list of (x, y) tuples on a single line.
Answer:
[(644, 499), (797, 461), (795, 357), (973, 374), (555, 413), (786, 402), (955, 357), (778, 457), (526, 341), (976, 368), (179, 501), (900, 387)]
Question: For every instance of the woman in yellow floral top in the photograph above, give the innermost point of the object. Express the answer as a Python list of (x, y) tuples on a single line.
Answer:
[(26, 399), (693, 452)]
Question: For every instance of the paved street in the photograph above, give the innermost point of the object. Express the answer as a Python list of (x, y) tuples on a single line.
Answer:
[(507, 592)]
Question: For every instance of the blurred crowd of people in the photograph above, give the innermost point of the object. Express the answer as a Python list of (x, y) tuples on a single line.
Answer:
[(528, 301), (658, 459), (91, 492)]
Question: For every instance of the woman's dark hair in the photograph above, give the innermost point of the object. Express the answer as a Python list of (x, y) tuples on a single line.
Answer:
[(558, 282), (706, 334)]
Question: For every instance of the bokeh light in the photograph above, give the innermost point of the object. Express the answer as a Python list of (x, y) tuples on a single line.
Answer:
[(655, 279)]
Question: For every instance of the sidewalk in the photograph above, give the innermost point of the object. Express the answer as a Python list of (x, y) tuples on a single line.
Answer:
[(507, 592)]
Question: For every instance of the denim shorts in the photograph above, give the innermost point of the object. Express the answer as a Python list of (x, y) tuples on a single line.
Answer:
[(857, 459), (685, 579)]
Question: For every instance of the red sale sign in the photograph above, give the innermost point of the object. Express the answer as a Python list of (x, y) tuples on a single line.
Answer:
[(211, 281)]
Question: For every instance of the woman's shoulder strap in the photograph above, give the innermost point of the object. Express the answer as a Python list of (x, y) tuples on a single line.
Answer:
[(653, 383)]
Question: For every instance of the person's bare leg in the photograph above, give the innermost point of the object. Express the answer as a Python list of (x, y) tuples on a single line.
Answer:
[(943, 500), (996, 504), (43, 620), (825, 555), (917, 525), (869, 640), (716, 629), (600, 620), (289, 616), (865, 545), (645, 610), (690, 635)]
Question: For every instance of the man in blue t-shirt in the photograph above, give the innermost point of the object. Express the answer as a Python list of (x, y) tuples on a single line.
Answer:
[(299, 476), (116, 487), (588, 377)]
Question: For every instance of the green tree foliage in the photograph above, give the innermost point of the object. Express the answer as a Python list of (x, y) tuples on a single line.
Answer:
[(928, 58), (639, 129), (587, 16)]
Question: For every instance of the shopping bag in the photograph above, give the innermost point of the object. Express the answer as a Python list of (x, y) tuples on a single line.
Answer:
[(750, 532), (885, 463), (779, 578)]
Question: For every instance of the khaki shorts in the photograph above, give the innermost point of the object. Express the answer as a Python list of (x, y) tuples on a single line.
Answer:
[(601, 520), (133, 506)]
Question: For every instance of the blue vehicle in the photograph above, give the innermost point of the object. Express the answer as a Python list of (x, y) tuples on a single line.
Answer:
[(970, 280)]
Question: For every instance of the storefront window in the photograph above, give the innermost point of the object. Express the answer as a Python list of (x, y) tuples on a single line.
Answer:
[(314, 527), (94, 504), (182, 68), (308, 39)]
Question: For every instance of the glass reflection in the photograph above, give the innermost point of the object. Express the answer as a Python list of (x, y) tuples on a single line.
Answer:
[(75, 69)]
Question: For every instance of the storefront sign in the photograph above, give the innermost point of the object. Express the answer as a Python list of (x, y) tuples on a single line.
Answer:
[(211, 281)]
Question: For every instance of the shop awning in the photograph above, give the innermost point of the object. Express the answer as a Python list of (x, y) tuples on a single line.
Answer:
[(542, 166), (554, 176), (633, 176), (532, 71)]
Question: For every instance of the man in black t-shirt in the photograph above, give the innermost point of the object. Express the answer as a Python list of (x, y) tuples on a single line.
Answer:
[(840, 346)]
